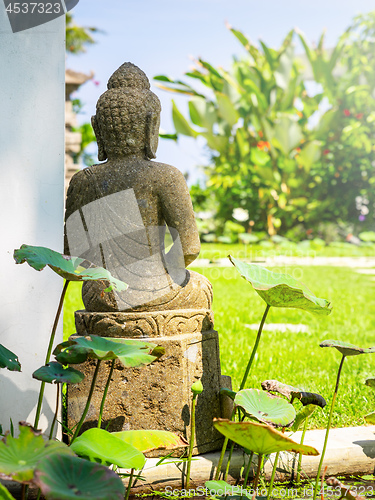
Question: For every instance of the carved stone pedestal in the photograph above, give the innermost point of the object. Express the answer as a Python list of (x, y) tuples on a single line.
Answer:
[(157, 396)]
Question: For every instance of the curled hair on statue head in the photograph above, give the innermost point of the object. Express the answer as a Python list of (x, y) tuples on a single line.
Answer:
[(127, 115)]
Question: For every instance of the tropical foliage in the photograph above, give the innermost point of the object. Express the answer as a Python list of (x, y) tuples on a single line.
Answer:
[(289, 136)]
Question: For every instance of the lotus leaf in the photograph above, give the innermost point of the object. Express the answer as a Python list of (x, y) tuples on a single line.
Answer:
[(4, 493), (9, 360), (69, 478), (289, 391), (70, 268), (276, 386), (131, 353), (55, 372), (264, 407), (370, 382), (223, 489), (260, 438), (101, 445), (347, 349), (148, 440), (302, 416), (370, 418), (19, 456), (280, 290)]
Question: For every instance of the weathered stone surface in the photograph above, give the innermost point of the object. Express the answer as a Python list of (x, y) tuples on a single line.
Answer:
[(158, 396), (147, 324)]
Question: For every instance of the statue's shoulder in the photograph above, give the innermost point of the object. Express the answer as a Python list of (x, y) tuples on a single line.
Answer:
[(79, 187), (166, 173)]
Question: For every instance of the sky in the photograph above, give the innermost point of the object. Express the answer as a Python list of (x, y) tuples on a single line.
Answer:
[(161, 37)]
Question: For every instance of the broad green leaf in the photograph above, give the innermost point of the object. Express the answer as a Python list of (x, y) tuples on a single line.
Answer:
[(225, 490), (202, 113), (306, 398), (214, 141), (347, 349), (302, 416), (227, 111), (370, 382), (71, 478), (9, 360), (181, 124), (287, 134), (266, 408), (259, 157), (4, 493), (280, 290), (279, 387), (260, 438), (367, 236), (370, 418), (172, 137), (241, 37), (102, 446), (284, 70), (131, 353), (55, 372), (70, 268), (148, 440), (310, 154), (19, 456)]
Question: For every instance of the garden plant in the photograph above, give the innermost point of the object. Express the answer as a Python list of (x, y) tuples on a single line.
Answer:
[(261, 419), (52, 466)]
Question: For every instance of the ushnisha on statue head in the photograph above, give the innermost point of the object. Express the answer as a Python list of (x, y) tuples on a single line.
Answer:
[(127, 116)]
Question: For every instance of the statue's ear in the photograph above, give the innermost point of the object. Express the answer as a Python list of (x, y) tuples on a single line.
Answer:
[(152, 135), (102, 155)]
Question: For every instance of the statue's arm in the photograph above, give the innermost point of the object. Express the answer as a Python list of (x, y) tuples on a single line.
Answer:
[(178, 213), (71, 205)]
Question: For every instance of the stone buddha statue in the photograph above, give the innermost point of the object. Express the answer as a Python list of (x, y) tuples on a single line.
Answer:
[(118, 212)]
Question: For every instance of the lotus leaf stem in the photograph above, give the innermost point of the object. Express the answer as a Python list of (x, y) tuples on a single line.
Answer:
[(299, 466), (256, 479), (79, 425), (49, 351), (222, 454), (259, 334), (56, 411), (328, 427), (228, 462), (273, 475), (191, 443), (246, 374), (129, 485), (105, 393), (247, 472)]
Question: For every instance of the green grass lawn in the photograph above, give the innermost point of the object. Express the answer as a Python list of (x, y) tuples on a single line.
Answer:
[(293, 358), (258, 252)]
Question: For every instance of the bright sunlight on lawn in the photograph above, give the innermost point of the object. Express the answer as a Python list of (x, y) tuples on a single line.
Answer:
[(293, 358)]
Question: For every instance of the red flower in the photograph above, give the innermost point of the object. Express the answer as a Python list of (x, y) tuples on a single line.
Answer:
[(263, 144), (326, 151), (359, 116), (346, 112)]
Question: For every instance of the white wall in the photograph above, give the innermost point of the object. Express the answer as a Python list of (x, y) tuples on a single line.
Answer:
[(32, 69)]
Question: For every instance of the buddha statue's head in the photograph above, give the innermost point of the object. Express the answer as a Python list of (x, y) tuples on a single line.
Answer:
[(127, 116)]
